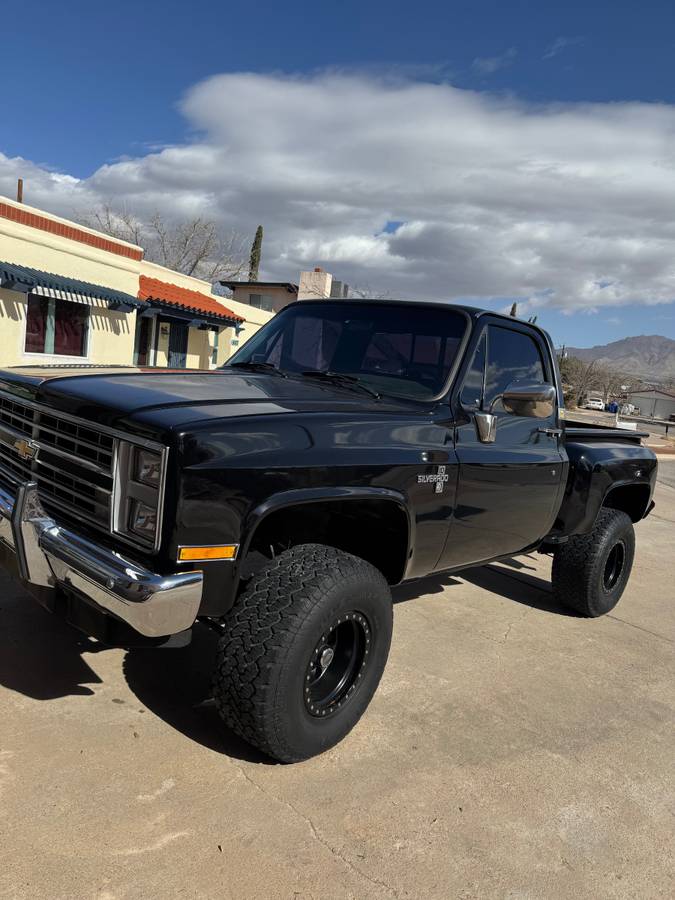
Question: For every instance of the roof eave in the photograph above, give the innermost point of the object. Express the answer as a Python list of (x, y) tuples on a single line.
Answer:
[(287, 285), (193, 312)]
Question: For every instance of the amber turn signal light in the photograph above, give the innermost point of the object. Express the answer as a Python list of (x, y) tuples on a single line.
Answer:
[(202, 554)]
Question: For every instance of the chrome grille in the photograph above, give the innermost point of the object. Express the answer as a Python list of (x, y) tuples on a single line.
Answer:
[(74, 464), (77, 440)]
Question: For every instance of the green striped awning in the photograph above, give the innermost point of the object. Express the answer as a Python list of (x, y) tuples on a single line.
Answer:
[(25, 280)]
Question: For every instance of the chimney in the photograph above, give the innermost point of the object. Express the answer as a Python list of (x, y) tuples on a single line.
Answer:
[(315, 285), (19, 191)]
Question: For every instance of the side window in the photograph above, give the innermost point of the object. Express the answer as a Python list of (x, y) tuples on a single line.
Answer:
[(471, 395), (261, 301), (512, 356)]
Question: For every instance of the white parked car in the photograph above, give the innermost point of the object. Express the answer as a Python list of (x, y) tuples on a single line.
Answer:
[(594, 403)]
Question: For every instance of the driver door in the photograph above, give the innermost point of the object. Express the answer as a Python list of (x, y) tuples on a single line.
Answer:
[(511, 476)]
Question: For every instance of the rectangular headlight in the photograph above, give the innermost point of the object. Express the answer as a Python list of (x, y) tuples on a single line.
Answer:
[(138, 492), (143, 520), (147, 467)]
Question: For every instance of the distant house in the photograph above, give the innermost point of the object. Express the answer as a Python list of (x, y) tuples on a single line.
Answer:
[(653, 402), (72, 295), (272, 296)]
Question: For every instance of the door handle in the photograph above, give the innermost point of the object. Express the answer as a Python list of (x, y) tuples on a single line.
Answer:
[(551, 432)]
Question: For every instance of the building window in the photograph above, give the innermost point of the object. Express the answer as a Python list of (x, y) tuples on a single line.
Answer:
[(56, 327), (261, 301), (214, 350)]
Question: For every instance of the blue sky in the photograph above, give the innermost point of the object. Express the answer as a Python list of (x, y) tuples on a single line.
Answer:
[(101, 85)]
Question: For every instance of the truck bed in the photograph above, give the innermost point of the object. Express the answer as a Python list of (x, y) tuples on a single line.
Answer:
[(583, 431)]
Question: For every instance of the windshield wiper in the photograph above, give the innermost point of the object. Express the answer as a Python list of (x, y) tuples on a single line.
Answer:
[(340, 378), (257, 367)]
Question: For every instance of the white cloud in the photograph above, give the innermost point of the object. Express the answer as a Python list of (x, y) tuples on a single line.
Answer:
[(488, 65), (560, 44), (567, 206)]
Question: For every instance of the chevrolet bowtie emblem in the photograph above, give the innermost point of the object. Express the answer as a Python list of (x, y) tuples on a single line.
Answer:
[(26, 449)]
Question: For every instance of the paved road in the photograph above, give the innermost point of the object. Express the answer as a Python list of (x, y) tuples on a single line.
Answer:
[(513, 750), (666, 472)]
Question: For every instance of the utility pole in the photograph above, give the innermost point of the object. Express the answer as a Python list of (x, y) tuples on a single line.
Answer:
[(19, 191)]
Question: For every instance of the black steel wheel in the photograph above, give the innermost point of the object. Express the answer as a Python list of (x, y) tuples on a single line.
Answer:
[(337, 664), (614, 566), (303, 651), (590, 571)]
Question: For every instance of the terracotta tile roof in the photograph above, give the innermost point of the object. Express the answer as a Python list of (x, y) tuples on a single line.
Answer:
[(173, 295)]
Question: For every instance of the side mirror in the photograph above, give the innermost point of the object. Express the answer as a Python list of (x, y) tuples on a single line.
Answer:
[(529, 398)]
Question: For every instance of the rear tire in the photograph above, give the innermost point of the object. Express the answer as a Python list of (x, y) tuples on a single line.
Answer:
[(303, 651), (591, 570)]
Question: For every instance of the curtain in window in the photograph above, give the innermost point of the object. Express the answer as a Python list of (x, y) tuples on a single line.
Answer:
[(70, 329), (36, 324), (56, 326)]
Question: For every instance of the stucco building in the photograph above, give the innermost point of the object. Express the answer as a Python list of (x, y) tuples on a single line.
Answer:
[(269, 296), (71, 295), (652, 402), (272, 296)]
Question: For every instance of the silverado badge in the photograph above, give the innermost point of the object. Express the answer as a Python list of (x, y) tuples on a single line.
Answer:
[(439, 479)]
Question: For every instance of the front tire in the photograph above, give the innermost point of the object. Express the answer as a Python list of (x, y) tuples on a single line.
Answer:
[(591, 570), (303, 651)]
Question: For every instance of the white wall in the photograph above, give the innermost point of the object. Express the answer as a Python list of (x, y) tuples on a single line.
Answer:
[(111, 334), (653, 404), (110, 338)]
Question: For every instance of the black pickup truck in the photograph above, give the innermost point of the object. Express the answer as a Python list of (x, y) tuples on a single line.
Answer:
[(347, 447)]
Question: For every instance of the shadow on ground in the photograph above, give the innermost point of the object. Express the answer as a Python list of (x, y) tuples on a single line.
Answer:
[(517, 585), (40, 656), (43, 658), (176, 686)]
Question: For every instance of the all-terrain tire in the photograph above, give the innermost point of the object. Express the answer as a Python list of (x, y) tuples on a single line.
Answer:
[(271, 652), (591, 570)]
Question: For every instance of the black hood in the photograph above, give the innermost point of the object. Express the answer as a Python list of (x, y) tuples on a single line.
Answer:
[(123, 397)]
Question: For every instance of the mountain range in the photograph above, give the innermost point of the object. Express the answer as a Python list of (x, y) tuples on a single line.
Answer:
[(648, 356)]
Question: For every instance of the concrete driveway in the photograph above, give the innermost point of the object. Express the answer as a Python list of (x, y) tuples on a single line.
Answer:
[(513, 750)]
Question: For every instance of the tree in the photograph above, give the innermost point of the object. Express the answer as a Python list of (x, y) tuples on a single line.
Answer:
[(256, 248), (197, 246), (609, 381), (579, 378)]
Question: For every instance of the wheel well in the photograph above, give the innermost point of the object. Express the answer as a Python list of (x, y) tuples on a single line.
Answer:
[(632, 499), (375, 530)]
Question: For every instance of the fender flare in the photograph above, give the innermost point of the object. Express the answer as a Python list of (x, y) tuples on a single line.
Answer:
[(643, 486), (302, 496)]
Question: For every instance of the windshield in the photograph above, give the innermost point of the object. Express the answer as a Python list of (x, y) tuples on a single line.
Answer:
[(396, 349)]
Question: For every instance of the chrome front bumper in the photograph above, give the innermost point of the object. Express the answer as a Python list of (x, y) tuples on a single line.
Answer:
[(49, 555)]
